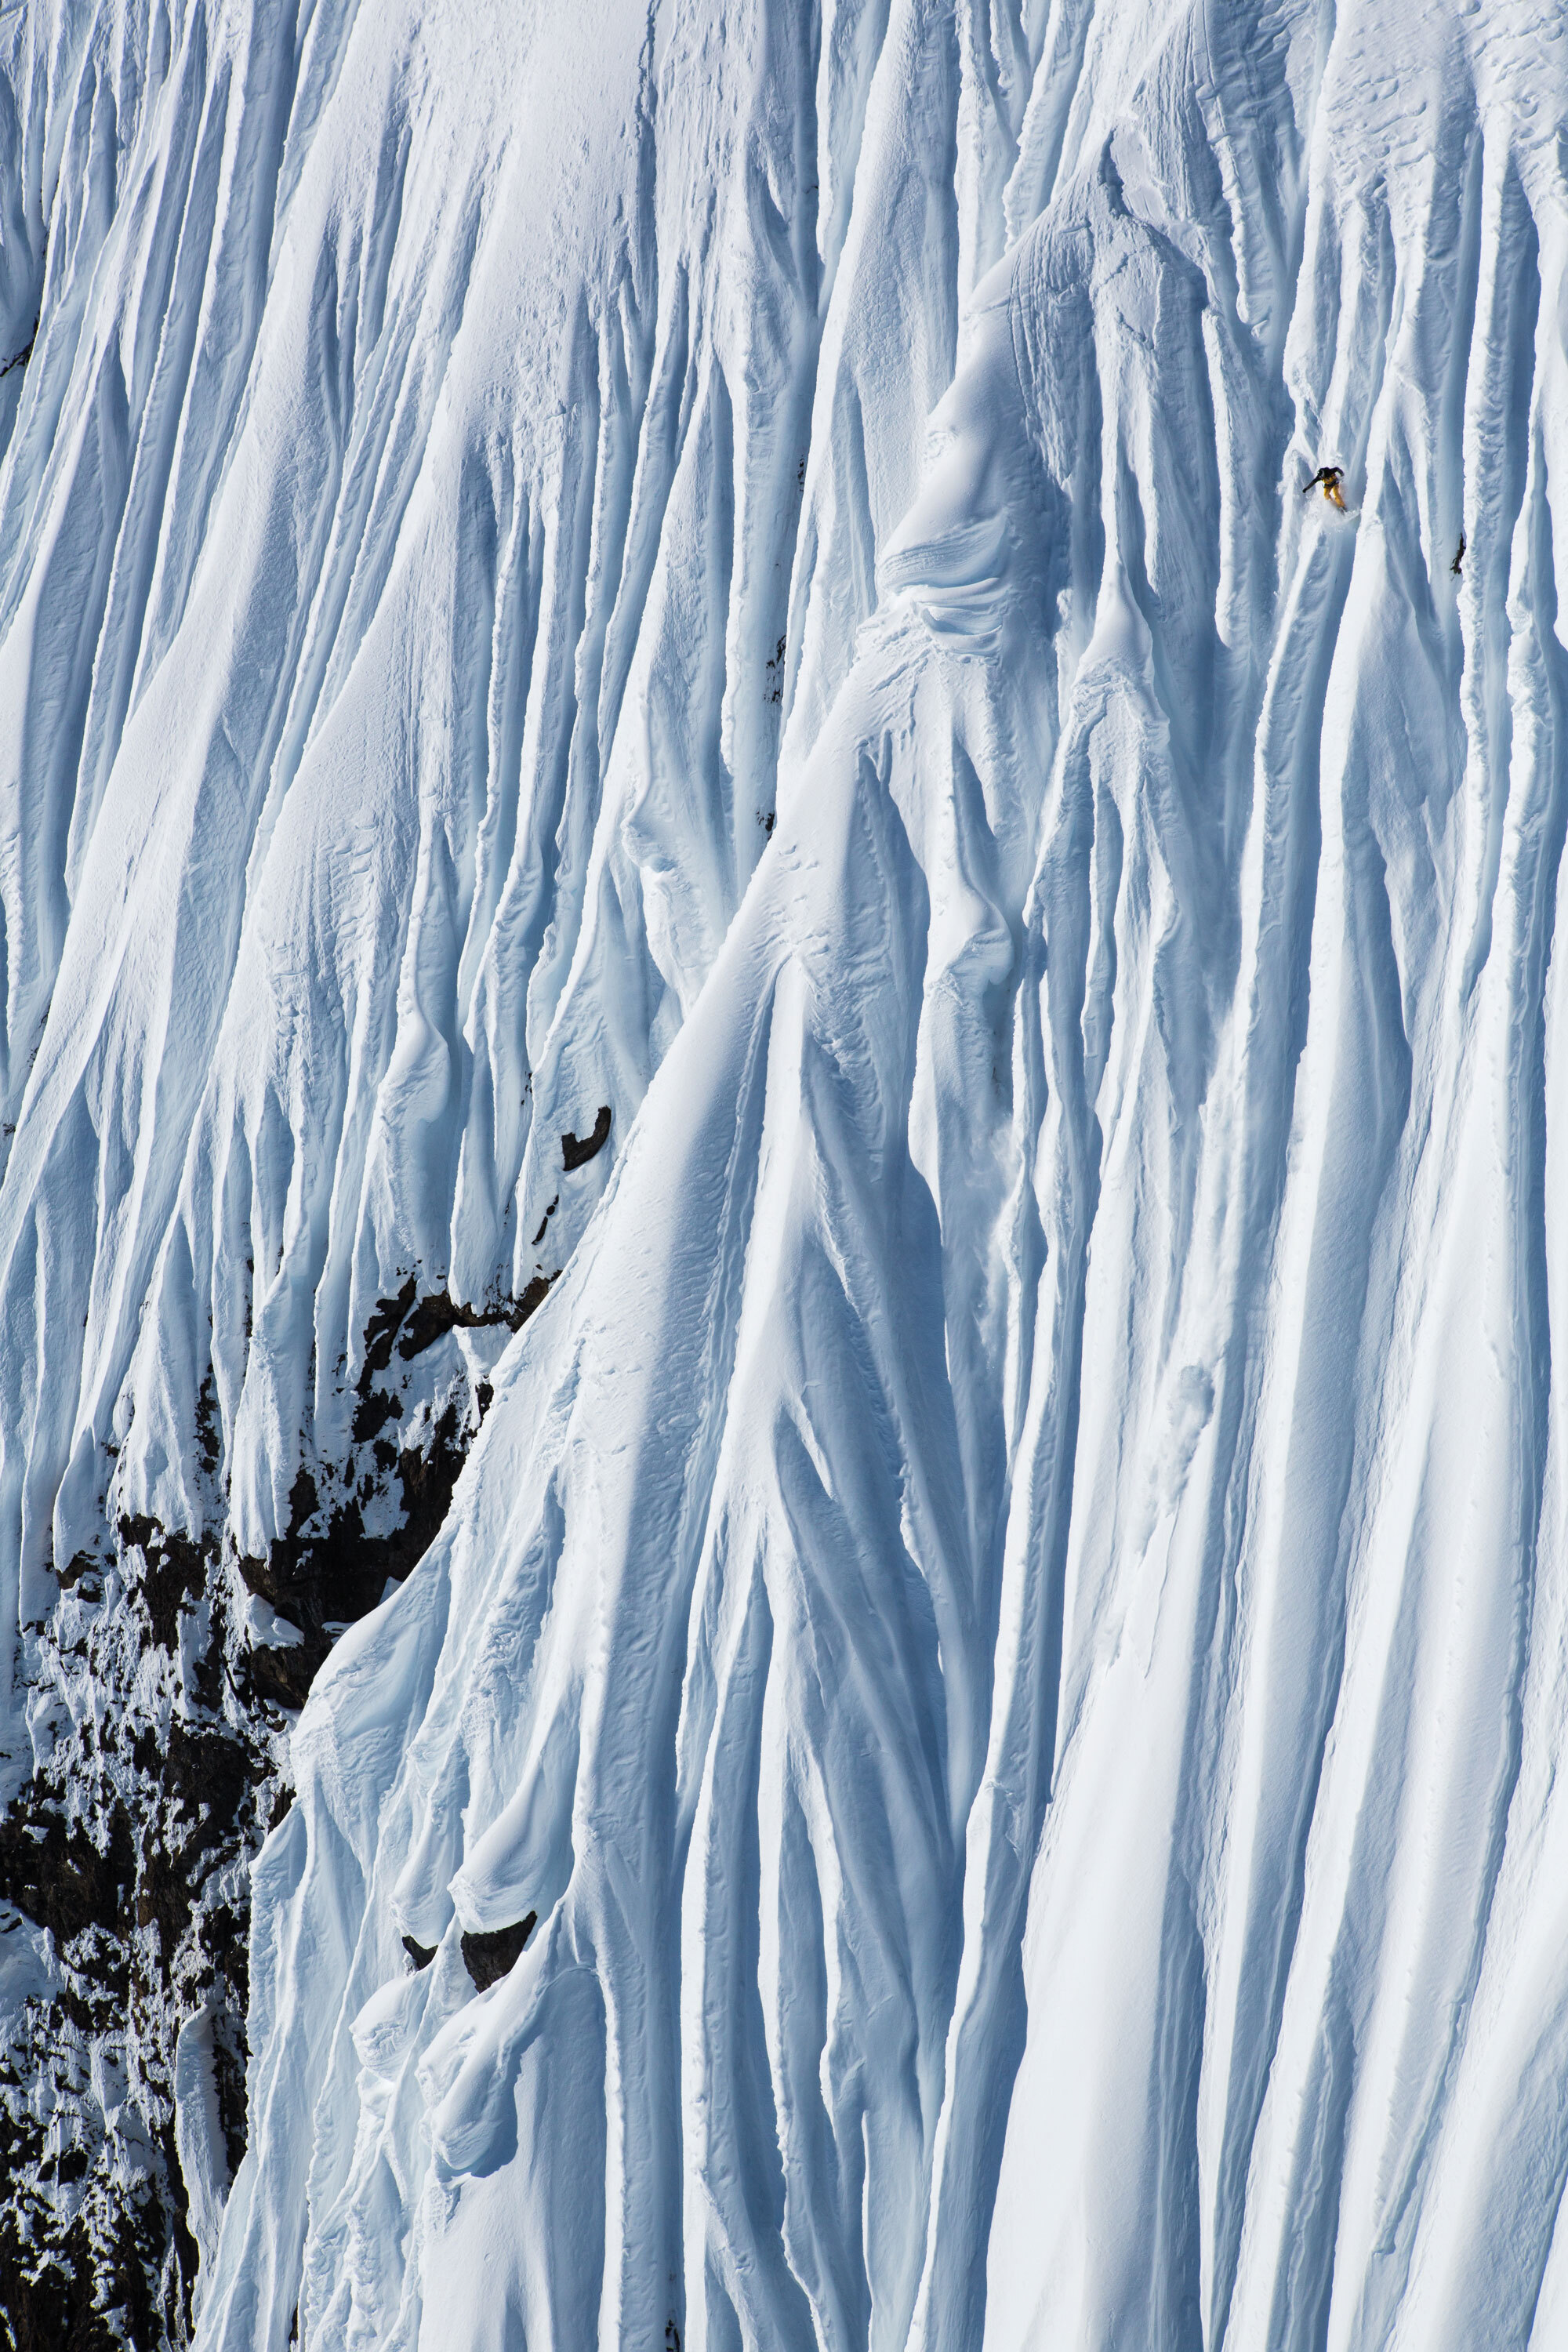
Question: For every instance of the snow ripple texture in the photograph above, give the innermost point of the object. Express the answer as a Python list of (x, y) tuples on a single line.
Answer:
[(1009, 1618)]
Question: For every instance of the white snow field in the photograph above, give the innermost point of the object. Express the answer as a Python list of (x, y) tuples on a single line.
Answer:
[(972, 1764)]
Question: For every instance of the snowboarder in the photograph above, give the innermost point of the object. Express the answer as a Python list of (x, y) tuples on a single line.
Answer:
[(1331, 477)]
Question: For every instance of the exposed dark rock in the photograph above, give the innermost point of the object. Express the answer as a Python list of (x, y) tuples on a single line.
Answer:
[(114, 1848), (382, 1331), (46, 2301), (208, 1442), (420, 1954), (438, 1313), (535, 1297), (175, 1571), (205, 1766), (94, 2252), (228, 2080), (577, 1150), (205, 1777), (495, 1952), (124, 1845), (435, 1316), (90, 2287), (304, 1501), (372, 1412), (282, 1675), (54, 1873), (339, 1575)]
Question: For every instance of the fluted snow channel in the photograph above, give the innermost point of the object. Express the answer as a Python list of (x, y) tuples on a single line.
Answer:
[(973, 1760)]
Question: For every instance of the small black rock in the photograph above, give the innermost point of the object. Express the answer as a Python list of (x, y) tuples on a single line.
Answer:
[(490, 1955), (577, 1150)]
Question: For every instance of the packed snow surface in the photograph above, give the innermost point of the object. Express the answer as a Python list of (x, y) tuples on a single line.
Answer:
[(731, 577)]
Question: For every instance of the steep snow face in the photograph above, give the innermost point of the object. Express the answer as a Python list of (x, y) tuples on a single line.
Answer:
[(973, 1761)]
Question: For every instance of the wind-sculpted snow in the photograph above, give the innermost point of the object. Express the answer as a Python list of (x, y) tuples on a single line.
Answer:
[(683, 775)]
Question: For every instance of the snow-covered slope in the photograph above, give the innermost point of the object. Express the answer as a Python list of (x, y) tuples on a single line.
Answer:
[(691, 808)]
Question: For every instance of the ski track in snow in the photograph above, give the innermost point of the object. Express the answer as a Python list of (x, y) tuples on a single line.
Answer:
[(1008, 1617)]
